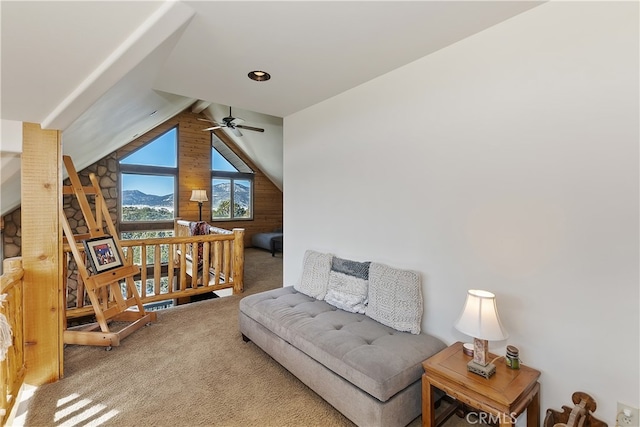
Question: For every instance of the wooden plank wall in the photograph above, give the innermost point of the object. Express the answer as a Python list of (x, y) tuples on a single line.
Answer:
[(194, 163), (42, 253)]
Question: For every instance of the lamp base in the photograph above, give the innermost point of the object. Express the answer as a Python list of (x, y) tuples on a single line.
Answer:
[(483, 371)]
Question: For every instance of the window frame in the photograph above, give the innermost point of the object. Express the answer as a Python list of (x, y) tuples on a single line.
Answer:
[(232, 177), (138, 226)]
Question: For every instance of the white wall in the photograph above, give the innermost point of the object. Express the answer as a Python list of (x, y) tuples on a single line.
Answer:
[(506, 162), (10, 150), (10, 136)]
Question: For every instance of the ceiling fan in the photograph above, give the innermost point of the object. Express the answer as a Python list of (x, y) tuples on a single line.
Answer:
[(233, 123)]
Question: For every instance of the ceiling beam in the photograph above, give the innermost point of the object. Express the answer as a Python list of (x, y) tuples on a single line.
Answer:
[(200, 106), (169, 18)]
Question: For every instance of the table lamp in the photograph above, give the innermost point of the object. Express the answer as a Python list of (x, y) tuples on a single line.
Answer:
[(199, 196), (480, 320)]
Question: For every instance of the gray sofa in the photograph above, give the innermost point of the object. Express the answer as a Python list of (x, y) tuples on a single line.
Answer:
[(364, 361)]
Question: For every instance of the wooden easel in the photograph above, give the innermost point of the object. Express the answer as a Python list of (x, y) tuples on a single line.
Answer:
[(103, 288)]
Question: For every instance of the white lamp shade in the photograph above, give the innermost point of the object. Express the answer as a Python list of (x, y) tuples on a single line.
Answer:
[(199, 195), (479, 318)]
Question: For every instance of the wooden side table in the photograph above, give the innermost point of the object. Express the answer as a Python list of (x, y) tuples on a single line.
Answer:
[(504, 396)]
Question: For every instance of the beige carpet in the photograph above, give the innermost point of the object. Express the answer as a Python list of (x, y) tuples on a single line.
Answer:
[(190, 368)]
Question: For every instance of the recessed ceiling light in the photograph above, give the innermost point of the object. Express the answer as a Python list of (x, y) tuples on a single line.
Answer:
[(259, 76)]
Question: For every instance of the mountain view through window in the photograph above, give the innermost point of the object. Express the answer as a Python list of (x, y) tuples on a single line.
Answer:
[(231, 184), (148, 181)]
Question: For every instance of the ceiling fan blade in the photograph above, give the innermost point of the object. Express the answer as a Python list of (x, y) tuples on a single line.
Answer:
[(213, 128), (205, 120), (235, 131), (250, 128)]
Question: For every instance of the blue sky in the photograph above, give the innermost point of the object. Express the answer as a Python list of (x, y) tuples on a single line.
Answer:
[(220, 163), (161, 152)]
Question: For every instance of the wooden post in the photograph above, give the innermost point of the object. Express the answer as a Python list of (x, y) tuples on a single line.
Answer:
[(42, 253), (12, 369), (238, 260)]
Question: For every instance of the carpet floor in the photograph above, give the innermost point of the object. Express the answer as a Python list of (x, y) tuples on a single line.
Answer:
[(189, 368)]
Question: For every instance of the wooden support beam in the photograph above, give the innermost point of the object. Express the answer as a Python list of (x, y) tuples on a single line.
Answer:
[(42, 253)]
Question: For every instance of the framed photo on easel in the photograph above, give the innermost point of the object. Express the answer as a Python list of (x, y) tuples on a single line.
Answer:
[(102, 254)]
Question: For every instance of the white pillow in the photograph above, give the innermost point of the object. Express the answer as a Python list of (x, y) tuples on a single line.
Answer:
[(315, 274), (348, 285), (395, 298)]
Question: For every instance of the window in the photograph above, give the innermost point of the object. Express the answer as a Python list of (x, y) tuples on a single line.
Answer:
[(148, 179), (231, 184)]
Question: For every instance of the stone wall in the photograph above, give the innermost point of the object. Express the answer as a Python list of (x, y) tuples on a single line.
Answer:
[(11, 235), (106, 171)]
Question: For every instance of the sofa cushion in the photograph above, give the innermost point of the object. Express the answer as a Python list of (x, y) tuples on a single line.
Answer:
[(375, 358), (395, 298), (348, 285), (315, 274)]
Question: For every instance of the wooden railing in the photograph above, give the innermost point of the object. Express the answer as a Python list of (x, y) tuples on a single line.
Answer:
[(169, 272), (12, 369), (217, 258)]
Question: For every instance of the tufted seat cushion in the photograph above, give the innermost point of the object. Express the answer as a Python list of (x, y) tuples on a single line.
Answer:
[(371, 356)]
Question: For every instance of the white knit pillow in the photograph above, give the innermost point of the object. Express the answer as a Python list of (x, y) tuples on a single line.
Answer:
[(395, 298), (315, 274)]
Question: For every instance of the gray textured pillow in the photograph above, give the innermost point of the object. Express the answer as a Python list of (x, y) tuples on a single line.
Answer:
[(348, 285), (395, 298), (315, 274)]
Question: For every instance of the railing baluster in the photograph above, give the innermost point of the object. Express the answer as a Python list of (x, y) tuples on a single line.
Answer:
[(227, 260), (218, 262), (129, 254), (143, 271), (206, 252), (170, 266), (183, 267), (194, 265), (157, 270)]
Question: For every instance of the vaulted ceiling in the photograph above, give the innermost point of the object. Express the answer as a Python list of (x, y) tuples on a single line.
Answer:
[(105, 72)]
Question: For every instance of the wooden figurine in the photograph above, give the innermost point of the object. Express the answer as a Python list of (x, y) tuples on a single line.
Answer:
[(578, 416)]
